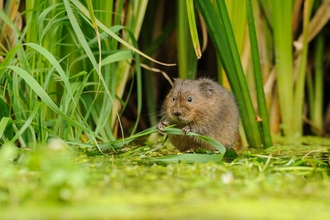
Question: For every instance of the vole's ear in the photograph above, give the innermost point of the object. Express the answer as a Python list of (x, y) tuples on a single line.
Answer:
[(177, 81), (206, 88)]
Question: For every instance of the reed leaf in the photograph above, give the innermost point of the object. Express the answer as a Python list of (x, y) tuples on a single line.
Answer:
[(282, 34), (301, 68), (223, 38), (263, 112)]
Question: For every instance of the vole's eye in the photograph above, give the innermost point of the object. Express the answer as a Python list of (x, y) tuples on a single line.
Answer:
[(189, 99), (174, 98)]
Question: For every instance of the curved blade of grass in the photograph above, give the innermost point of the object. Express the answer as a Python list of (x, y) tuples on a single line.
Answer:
[(223, 38), (265, 131), (8, 59), (118, 56), (192, 27), (27, 122)]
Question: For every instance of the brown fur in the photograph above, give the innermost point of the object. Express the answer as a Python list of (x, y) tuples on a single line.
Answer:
[(201, 106)]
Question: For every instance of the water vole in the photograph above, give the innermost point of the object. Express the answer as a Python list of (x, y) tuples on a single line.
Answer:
[(201, 106)]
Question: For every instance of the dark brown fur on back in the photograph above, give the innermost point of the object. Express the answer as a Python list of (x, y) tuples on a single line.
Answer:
[(204, 107)]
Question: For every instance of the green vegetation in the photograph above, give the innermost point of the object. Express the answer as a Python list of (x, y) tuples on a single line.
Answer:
[(54, 182), (80, 87)]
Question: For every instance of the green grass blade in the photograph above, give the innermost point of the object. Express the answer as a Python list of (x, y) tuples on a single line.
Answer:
[(28, 122), (265, 127), (193, 28), (5, 121), (118, 56)]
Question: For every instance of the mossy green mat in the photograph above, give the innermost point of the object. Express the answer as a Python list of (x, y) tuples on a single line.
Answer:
[(280, 183)]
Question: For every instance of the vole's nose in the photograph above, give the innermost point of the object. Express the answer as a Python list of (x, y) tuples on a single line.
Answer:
[(177, 113)]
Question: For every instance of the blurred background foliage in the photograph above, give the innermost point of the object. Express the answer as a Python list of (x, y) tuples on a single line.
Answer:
[(84, 70)]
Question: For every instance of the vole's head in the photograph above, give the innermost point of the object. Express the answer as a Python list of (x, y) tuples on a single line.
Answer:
[(189, 101)]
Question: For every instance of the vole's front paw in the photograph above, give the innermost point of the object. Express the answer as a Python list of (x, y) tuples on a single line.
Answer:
[(160, 126), (185, 130)]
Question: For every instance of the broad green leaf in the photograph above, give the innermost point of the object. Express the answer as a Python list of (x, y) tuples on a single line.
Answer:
[(199, 158)]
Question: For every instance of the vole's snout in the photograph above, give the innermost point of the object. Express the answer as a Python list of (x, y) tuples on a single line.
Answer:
[(177, 113)]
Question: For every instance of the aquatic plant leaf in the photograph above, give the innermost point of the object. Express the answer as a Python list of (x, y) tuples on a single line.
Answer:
[(201, 158)]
